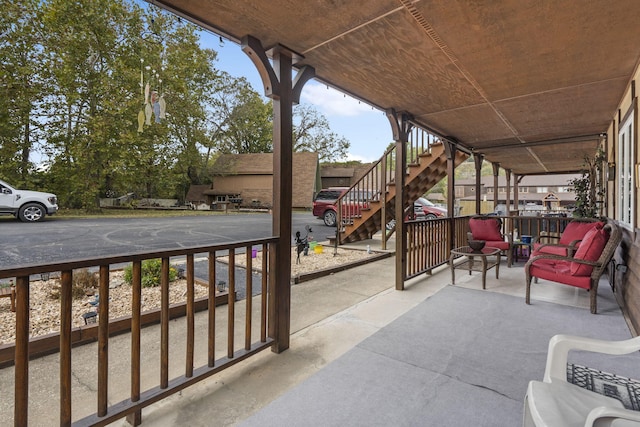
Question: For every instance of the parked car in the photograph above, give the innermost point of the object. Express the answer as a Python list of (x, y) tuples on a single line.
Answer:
[(28, 206), (423, 208), (324, 204)]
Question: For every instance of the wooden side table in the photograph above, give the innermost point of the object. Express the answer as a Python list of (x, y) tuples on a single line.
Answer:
[(519, 248), (471, 264)]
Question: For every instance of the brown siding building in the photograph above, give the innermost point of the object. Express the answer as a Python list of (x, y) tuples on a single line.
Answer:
[(248, 180)]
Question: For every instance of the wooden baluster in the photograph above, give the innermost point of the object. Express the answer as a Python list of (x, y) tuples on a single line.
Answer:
[(103, 342), (135, 418), (211, 359), (21, 370), (248, 298), (65, 347), (164, 323), (190, 317), (231, 303)]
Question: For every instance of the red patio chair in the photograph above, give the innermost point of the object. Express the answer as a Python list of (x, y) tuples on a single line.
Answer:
[(584, 269), (488, 228), (570, 238)]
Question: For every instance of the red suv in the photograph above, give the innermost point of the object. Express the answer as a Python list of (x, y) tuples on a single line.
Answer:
[(324, 204)]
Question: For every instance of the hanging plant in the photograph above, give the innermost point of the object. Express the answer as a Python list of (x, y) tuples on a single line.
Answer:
[(589, 188)]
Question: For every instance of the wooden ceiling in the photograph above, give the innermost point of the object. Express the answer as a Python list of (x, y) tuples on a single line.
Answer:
[(530, 84)]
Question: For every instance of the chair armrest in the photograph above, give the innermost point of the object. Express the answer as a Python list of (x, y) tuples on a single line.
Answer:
[(560, 345), (611, 412), (555, 245)]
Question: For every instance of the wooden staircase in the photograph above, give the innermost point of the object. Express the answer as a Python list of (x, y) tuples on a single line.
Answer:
[(425, 168)]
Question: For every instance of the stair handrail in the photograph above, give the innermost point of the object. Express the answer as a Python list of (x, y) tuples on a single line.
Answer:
[(371, 186)]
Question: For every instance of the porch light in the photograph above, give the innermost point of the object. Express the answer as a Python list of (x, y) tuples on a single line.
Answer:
[(611, 171), (90, 317), (222, 286)]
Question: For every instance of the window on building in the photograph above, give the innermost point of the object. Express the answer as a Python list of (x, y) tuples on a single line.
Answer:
[(490, 190), (543, 189), (564, 189), (459, 191), (523, 189), (626, 176)]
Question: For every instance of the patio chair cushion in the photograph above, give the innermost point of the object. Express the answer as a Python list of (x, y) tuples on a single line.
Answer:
[(576, 230), (543, 248), (487, 229), (590, 249), (559, 271)]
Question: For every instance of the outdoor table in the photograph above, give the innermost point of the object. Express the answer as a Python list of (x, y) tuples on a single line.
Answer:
[(471, 264), (521, 250)]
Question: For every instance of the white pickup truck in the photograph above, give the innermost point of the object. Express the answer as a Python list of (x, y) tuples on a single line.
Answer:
[(29, 206)]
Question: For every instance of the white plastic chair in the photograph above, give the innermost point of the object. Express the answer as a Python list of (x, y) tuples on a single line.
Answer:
[(556, 403)]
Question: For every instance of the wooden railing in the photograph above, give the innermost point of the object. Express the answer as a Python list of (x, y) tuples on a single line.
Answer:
[(429, 243), (217, 357)]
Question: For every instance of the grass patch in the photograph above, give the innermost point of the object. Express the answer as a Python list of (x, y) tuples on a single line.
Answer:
[(129, 213)]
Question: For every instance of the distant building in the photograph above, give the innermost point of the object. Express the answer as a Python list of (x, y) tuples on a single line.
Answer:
[(246, 180), (336, 176), (535, 193)]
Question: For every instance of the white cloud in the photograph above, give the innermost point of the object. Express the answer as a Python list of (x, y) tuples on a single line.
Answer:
[(332, 102), (363, 159)]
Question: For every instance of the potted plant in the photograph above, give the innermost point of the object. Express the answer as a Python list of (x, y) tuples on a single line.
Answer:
[(589, 187)]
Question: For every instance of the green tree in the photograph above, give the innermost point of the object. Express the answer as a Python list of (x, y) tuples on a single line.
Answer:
[(312, 133), (102, 56), (22, 88), (88, 51), (243, 121)]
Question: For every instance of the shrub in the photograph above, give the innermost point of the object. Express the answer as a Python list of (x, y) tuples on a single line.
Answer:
[(83, 281), (151, 273)]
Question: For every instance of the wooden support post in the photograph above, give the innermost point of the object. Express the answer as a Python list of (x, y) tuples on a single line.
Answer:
[(478, 159), (508, 191), (450, 150), (279, 87), (496, 172), (400, 127)]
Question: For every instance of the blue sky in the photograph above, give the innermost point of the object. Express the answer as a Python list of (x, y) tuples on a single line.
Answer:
[(367, 129)]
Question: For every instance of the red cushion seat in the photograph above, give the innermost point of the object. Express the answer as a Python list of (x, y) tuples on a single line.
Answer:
[(576, 230), (573, 233), (584, 269), (558, 271), (590, 249), (487, 229)]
